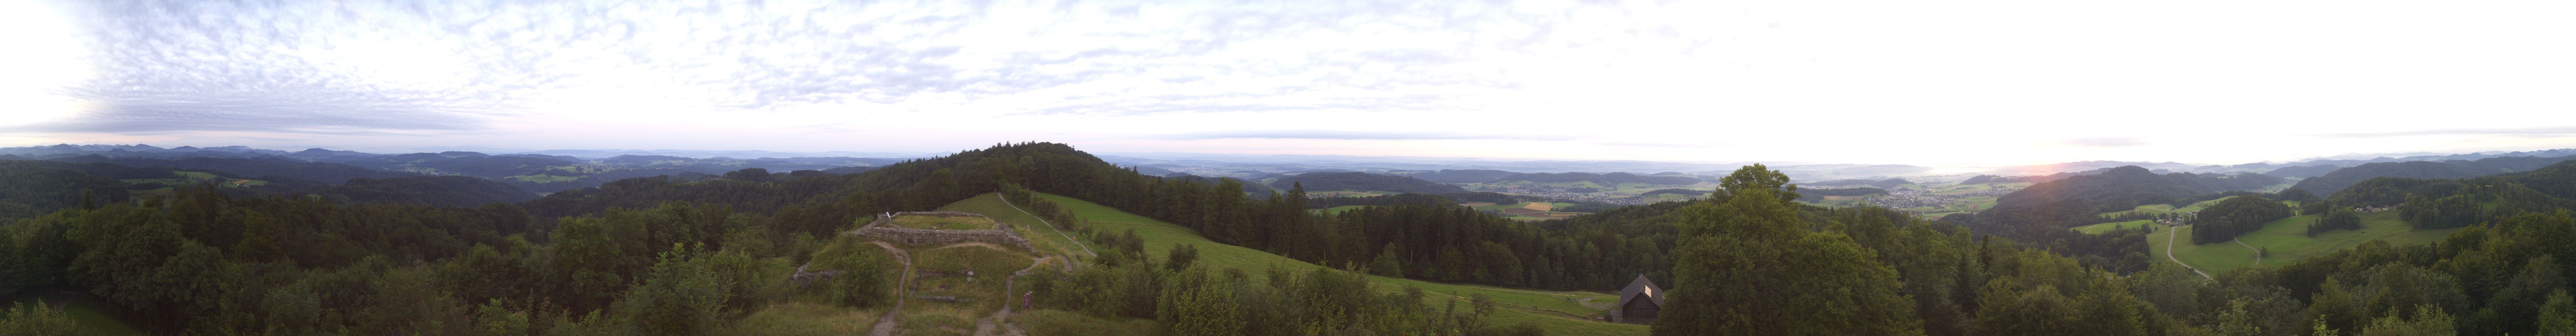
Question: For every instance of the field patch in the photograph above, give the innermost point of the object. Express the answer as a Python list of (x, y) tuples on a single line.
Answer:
[(1525, 305), (941, 222), (2287, 241)]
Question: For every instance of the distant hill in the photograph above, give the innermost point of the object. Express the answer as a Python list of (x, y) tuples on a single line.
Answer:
[(466, 163), (1816, 195), (1462, 175), (2049, 207), (2433, 203), (1611, 178), (1365, 181), (1887, 183), (2336, 181), (316, 171), (2303, 171)]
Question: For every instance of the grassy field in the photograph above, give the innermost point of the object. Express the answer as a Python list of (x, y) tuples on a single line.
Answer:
[(89, 312), (1337, 210), (942, 223), (799, 318), (1340, 193), (2107, 227), (2161, 209), (983, 293), (2288, 241), (1069, 323), (1526, 305), (1041, 236)]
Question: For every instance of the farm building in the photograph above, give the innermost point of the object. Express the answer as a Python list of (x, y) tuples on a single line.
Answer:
[(1639, 302)]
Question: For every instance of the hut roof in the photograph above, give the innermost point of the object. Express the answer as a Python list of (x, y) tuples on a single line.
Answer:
[(1641, 286)]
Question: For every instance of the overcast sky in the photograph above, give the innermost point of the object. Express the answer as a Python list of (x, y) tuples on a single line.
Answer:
[(1915, 82)]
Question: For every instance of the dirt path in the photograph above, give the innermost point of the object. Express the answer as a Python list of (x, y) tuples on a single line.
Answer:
[(2169, 243), (2258, 253), (885, 325), (1086, 249), (1000, 320)]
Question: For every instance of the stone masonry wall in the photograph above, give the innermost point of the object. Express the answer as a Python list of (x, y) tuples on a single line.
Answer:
[(1000, 234)]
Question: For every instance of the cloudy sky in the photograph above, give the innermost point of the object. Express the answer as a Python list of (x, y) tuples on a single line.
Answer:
[(1921, 82)]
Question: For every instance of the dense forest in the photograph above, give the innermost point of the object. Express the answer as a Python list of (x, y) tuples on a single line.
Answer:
[(2236, 216), (675, 255)]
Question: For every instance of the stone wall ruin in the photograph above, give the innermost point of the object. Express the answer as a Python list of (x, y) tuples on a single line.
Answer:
[(882, 230)]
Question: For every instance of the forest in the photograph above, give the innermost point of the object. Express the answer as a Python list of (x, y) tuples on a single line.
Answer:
[(690, 255)]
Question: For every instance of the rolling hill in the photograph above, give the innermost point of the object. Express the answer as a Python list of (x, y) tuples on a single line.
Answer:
[(2339, 179), (1364, 181), (1461, 175), (1610, 178)]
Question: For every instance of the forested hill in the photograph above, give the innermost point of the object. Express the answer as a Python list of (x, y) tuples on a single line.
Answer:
[(1462, 175), (2341, 178), (1364, 181), (2044, 208), (1610, 178), (2303, 171), (30, 188), (2449, 203), (329, 173)]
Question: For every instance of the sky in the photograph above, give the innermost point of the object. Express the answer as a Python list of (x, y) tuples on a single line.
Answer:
[(1896, 82)]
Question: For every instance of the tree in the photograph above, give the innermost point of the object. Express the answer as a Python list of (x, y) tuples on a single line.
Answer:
[(1386, 265), (1181, 256), (1748, 266), (36, 320), (2428, 320), (2558, 315)]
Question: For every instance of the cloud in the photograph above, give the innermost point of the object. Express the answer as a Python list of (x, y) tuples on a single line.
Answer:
[(2522, 132), (2111, 142), (361, 66), (1351, 135)]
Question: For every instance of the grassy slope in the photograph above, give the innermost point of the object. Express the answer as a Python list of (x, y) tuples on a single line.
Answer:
[(2288, 241), (2106, 227), (1542, 307), (1045, 238)]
